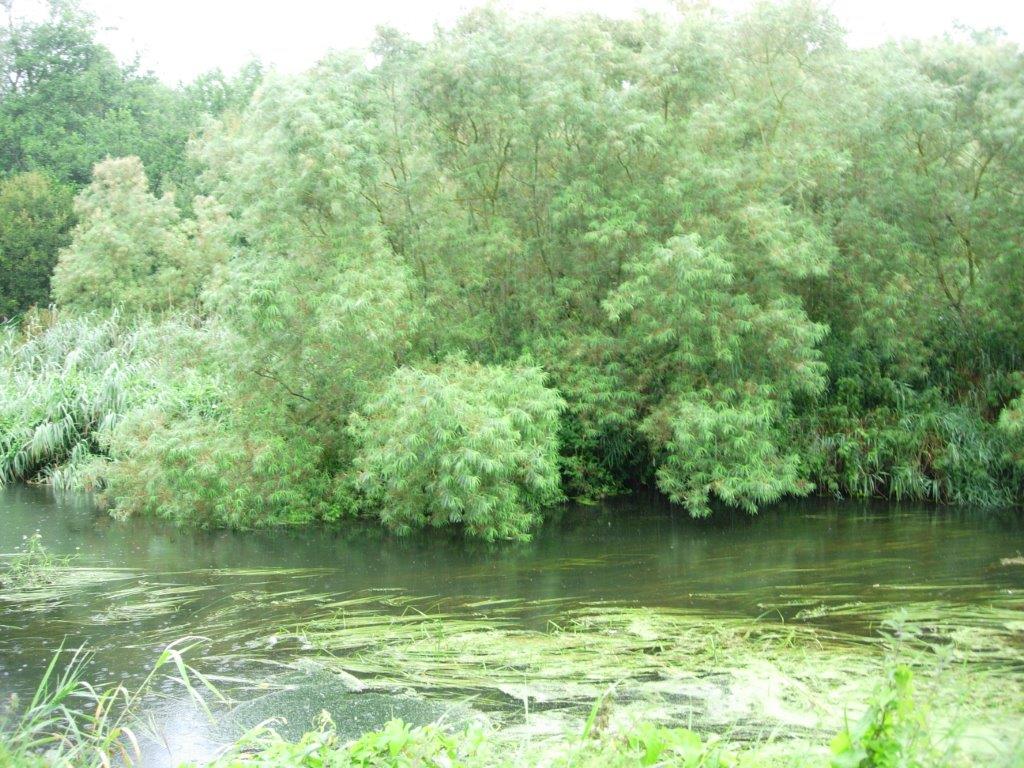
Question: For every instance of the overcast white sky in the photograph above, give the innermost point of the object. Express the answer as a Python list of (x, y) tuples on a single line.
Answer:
[(180, 39)]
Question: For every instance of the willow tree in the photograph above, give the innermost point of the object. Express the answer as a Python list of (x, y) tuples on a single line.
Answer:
[(748, 258), (313, 291), (128, 248), (462, 445), (533, 170), (922, 298), (722, 369), (308, 310)]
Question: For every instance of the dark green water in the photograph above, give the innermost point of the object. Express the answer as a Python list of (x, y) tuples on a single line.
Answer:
[(637, 551)]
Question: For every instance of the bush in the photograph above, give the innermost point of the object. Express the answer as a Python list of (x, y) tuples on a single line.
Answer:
[(890, 734), (129, 247), (725, 445), (919, 449), (461, 444), (213, 473)]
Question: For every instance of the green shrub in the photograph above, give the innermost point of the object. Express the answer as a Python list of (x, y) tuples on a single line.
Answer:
[(890, 734), (211, 472), (128, 247), (919, 449), (602, 448), (461, 444), (722, 444)]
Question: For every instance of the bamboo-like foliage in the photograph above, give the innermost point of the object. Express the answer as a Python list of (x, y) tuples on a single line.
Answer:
[(461, 444), (724, 444), (925, 451), (206, 471), (131, 249)]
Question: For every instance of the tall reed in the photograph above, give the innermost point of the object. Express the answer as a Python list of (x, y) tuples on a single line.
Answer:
[(69, 722)]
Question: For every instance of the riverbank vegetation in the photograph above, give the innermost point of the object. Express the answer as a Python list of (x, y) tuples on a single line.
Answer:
[(450, 282), (69, 723)]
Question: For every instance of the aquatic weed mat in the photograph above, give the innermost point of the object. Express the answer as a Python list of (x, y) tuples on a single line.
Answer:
[(107, 589), (753, 679), (719, 671), (61, 587)]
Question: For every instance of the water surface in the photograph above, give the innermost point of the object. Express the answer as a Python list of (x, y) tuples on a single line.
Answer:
[(800, 561)]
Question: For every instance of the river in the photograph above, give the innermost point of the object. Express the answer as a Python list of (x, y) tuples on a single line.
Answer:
[(835, 566)]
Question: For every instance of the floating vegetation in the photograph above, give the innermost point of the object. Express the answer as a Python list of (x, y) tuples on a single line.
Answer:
[(355, 727), (63, 585), (153, 602), (536, 667), (32, 566), (751, 677), (303, 695)]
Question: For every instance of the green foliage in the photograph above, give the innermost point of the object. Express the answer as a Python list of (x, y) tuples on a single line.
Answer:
[(69, 723), (1011, 425), (32, 566), (128, 249), (461, 444), (917, 447), (63, 381), (677, 746), (201, 471), (398, 745), (682, 303), (66, 103), (751, 260), (890, 734), (721, 367), (320, 310), (725, 444), (35, 216)]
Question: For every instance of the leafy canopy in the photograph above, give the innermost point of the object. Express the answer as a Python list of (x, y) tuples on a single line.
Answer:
[(461, 444)]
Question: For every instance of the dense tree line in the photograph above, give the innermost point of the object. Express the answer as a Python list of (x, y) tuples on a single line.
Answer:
[(66, 104), (455, 281)]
